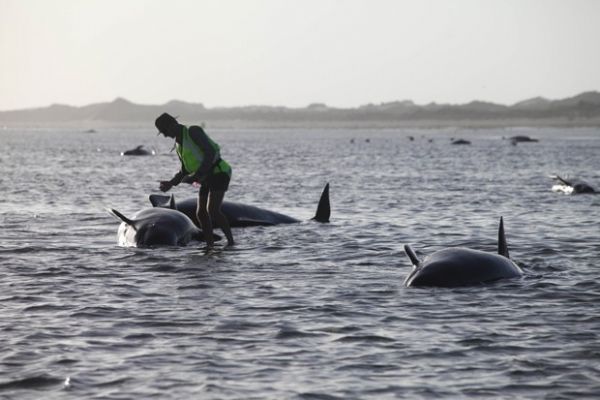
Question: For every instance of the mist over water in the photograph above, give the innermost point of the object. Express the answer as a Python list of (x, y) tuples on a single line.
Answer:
[(308, 310)]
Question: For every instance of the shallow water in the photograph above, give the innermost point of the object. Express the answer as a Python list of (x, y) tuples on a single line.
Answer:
[(302, 311)]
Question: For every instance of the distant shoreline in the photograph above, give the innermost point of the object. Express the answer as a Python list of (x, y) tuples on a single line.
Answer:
[(582, 110), (353, 124)]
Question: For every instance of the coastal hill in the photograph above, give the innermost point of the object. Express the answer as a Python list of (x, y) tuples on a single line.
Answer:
[(580, 110)]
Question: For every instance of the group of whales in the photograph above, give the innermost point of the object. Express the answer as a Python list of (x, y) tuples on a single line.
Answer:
[(171, 223), (175, 223)]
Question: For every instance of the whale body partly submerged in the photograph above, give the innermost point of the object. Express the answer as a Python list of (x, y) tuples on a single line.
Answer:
[(572, 186), (138, 151), (458, 266), (514, 140), (242, 215), (156, 227)]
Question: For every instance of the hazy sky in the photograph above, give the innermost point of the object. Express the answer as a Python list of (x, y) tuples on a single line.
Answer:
[(344, 53)]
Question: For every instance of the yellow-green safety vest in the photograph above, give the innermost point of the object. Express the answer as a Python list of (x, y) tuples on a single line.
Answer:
[(192, 155)]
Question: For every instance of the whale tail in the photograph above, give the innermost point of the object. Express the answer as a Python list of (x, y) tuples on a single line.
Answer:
[(162, 200), (324, 208), (502, 246), (412, 256), (121, 217)]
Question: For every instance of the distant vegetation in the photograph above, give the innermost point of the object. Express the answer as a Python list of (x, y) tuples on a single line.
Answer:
[(580, 110)]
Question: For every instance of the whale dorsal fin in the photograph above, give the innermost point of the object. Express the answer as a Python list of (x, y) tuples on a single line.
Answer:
[(162, 200), (412, 256), (120, 216), (502, 246), (323, 209)]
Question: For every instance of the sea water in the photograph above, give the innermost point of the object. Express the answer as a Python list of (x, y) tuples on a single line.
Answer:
[(307, 310)]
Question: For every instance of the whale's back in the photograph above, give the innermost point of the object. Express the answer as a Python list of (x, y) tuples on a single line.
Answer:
[(454, 267)]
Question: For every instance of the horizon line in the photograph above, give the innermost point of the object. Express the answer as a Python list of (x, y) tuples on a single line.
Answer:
[(315, 103)]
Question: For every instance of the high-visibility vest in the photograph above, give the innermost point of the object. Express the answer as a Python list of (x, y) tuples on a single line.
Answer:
[(192, 155)]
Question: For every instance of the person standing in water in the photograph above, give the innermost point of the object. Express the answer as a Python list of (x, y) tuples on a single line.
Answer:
[(200, 162)]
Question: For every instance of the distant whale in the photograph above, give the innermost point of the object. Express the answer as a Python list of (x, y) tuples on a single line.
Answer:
[(138, 151), (460, 141), (458, 266), (156, 227), (572, 186), (521, 139), (242, 215)]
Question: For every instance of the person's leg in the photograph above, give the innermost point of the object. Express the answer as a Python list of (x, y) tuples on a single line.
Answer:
[(204, 217), (214, 209)]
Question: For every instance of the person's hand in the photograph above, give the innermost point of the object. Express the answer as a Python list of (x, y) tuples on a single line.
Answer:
[(165, 186)]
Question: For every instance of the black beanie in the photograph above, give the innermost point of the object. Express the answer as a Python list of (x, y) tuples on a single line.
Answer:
[(163, 123)]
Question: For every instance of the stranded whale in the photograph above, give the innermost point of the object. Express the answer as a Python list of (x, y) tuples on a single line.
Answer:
[(138, 151), (460, 141), (572, 186), (156, 227), (521, 139), (459, 266), (242, 215)]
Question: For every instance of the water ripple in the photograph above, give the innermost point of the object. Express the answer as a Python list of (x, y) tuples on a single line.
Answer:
[(306, 311)]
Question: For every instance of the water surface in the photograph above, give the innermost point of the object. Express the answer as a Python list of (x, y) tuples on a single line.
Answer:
[(302, 311)]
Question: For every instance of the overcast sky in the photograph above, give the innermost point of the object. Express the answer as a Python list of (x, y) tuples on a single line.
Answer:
[(344, 53)]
